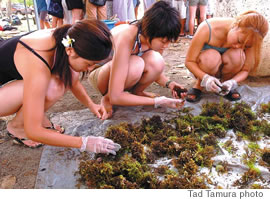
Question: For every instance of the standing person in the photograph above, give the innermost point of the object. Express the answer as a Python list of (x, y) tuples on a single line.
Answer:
[(136, 4), (76, 7), (180, 5), (94, 11), (148, 3), (137, 61), (55, 9), (124, 10), (210, 9), (223, 52), (43, 66), (192, 14), (42, 12)]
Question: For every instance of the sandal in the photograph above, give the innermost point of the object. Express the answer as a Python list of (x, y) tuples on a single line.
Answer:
[(21, 141), (62, 129), (196, 92), (230, 95)]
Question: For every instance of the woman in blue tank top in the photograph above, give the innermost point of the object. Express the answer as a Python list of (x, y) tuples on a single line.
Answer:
[(223, 52)]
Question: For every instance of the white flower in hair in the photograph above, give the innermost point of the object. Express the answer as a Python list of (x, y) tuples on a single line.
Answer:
[(67, 42)]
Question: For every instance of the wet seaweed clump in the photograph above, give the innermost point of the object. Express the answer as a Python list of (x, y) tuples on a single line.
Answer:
[(266, 156), (247, 179), (179, 90), (265, 108), (189, 143), (242, 118)]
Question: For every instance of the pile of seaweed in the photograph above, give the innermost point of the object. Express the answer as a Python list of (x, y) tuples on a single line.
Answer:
[(186, 142)]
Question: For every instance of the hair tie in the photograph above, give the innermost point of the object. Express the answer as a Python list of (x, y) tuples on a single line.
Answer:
[(68, 42)]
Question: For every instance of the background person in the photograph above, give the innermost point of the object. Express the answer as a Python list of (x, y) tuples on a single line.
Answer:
[(192, 14), (42, 12), (76, 7), (94, 11), (180, 5)]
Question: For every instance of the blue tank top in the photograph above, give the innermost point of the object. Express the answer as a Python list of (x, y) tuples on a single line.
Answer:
[(221, 50)]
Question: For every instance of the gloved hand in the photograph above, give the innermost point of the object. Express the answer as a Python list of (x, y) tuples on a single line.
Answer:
[(99, 145), (168, 102), (230, 85), (211, 83)]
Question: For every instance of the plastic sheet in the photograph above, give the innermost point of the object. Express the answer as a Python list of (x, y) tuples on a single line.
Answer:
[(58, 165)]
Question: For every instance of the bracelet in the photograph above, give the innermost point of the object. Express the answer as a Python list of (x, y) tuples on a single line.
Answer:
[(168, 83), (84, 143)]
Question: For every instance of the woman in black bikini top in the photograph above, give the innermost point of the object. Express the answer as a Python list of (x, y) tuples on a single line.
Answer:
[(43, 66)]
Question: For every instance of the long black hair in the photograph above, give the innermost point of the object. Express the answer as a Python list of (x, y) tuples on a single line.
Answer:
[(92, 42)]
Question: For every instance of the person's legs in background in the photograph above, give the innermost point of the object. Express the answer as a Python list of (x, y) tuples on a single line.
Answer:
[(43, 20), (95, 12), (56, 22), (76, 7), (67, 13), (91, 10), (136, 7), (102, 12), (192, 13), (209, 9), (42, 12)]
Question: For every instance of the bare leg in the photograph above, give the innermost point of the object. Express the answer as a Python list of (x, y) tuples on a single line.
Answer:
[(154, 66), (209, 61), (192, 13), (16, 125), (77, 14), (202, 13), (182, 21)]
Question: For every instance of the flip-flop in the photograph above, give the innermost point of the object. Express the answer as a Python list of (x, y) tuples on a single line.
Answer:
[(196, 92), (17, 140), (230, 97), (53, 128)]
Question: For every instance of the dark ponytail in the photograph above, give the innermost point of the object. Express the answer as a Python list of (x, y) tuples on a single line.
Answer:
[(61, 65), (92, 42)]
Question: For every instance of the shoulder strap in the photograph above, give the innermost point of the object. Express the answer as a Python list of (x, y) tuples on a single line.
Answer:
[(210, 30), (34, 52)]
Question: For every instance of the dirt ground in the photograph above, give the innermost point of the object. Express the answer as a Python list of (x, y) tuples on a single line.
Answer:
[(19, 165)]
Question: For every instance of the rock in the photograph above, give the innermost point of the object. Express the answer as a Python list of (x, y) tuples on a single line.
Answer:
[(8, 182)]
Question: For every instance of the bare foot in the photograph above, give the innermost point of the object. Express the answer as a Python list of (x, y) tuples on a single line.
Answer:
[(48, 124), (147, 94), (107, 105), (18, 131)]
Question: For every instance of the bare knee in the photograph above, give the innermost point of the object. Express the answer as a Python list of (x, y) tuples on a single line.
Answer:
[(209, 61), (135, 71), (155, 64), (56, 90), (234, 58)]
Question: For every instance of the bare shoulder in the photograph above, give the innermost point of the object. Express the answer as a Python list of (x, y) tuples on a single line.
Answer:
[(124, 33), (40, 40)]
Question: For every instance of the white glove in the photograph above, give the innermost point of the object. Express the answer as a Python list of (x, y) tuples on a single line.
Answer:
[(99, 145), (230, 84), (168, 102), (211, 83)]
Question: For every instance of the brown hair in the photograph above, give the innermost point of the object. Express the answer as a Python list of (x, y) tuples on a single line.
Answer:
[(255, 26), (92, 42)]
